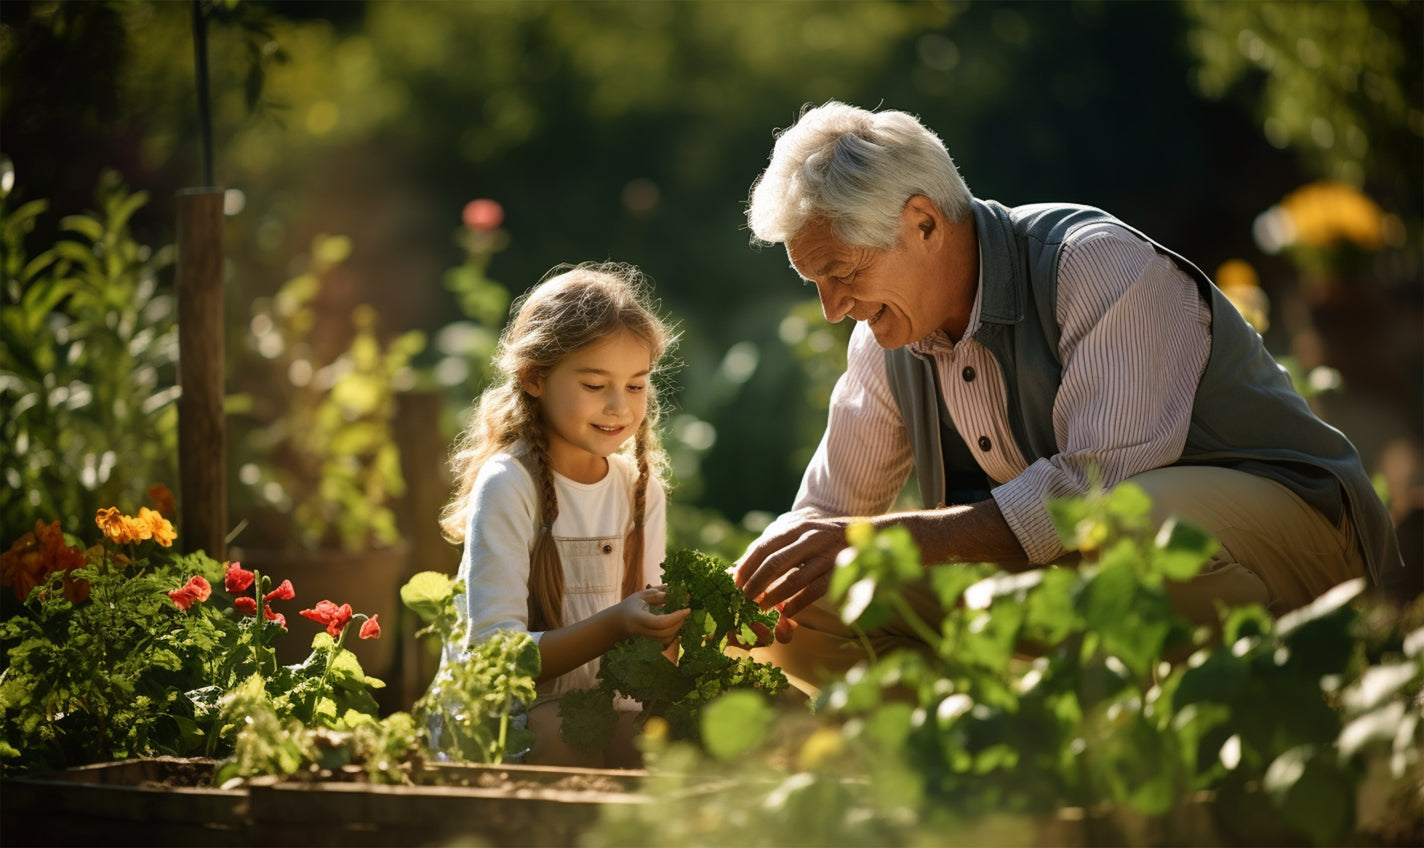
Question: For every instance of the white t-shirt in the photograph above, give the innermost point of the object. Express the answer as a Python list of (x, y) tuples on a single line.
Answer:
[(593, 523)]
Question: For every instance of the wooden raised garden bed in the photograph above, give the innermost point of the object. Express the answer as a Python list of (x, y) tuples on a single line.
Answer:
[(169, 801)]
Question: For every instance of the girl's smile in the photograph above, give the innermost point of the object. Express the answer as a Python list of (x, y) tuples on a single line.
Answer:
[(592, 402)]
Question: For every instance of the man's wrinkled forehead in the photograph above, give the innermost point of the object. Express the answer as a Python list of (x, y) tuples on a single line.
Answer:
[(815, 251)]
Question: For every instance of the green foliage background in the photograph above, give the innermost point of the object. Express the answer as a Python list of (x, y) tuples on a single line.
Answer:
[(633, 130)]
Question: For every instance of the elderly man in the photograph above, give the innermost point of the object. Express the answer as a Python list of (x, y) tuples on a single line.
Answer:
[(1013, 355)]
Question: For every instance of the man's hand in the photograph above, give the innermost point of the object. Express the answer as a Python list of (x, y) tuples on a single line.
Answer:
[(792, 569)]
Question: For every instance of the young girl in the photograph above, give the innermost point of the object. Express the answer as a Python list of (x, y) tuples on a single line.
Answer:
[(559, 500)]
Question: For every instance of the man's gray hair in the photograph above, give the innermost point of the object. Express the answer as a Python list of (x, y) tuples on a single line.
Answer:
[(856, 168)]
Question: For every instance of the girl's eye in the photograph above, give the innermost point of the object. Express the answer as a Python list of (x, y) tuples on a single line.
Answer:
[(592, 388), (637, 388)]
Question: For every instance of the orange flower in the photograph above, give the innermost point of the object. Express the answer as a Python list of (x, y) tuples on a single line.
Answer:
[(113, 523), (162, 498), (155, 526)]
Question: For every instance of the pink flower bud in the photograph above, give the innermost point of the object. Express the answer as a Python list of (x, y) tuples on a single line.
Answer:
[(483, 215)]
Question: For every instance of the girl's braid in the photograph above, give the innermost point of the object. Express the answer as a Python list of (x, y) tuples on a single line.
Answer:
[(633, 546), (546, 571)]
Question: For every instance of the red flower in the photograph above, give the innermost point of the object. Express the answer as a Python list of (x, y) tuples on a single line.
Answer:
[(245, 605), (334, 617), (196, 590), (237, 579), (275, 616), (483, 215), (38, 554), (372, 628), (284, 592)]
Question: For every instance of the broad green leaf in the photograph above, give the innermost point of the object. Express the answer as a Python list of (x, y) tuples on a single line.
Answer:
[(426, 592), (1181, 549), (734, 724), (1313, 792), (858, 598)]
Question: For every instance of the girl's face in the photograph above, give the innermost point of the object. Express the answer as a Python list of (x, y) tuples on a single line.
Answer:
[(592, 402)]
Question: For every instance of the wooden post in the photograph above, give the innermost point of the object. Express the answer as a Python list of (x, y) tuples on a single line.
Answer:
[(427, 487), (202, 438)]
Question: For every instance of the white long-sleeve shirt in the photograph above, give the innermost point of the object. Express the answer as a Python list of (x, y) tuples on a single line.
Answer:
[(594, 519), (1135, 337)]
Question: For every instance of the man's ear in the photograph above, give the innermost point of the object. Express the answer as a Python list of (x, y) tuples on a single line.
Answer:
[(923, 216)]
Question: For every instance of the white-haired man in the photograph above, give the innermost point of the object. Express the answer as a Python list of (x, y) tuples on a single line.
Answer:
[(1009, 356)]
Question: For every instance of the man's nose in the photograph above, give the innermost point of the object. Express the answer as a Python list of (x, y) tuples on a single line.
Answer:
[(835, 305)]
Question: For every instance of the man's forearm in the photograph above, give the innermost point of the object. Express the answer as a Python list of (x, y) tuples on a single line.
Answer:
[(969, 533)]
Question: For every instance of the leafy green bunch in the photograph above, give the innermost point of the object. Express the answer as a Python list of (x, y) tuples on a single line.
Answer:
[(677, 691), (470, 705)]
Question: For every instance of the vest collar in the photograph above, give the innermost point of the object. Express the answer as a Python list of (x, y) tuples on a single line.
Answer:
[(1002, 284)]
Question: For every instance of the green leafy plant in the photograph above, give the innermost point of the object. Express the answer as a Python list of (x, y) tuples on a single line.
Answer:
[(387, 749), (677, 691), (470, 705), (128, 649), (88, 357), (1071, 689), (321, 468)]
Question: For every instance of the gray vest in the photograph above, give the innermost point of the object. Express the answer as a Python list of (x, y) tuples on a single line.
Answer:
[(1246, 414)]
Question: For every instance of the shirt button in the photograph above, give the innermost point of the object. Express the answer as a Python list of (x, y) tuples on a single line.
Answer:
[(985, 444), (608, 549), (968, 373)]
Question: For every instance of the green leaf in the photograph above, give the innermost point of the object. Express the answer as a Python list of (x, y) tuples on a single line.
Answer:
[(426, 593), (1316, 796), (1181, 549), (734, 724)]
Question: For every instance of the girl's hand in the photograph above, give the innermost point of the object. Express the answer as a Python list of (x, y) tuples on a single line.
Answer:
[(636, 619)]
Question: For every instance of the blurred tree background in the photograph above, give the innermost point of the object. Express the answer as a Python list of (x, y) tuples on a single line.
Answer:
[(1278, 145)]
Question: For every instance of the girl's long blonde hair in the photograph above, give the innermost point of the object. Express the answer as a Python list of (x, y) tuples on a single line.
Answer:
[(574, 307)]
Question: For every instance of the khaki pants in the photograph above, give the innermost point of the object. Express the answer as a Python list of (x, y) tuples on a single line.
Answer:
[(1277, 551)]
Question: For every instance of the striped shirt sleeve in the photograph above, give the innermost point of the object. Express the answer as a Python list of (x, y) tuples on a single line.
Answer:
[(1135, 339), (864, 456)]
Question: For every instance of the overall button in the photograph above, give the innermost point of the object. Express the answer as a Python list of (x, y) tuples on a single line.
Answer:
[(608, 549), (985, 444), (968, 373)]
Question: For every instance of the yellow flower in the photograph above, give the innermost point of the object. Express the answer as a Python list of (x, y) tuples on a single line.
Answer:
[(155, 526), (114, 524)]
